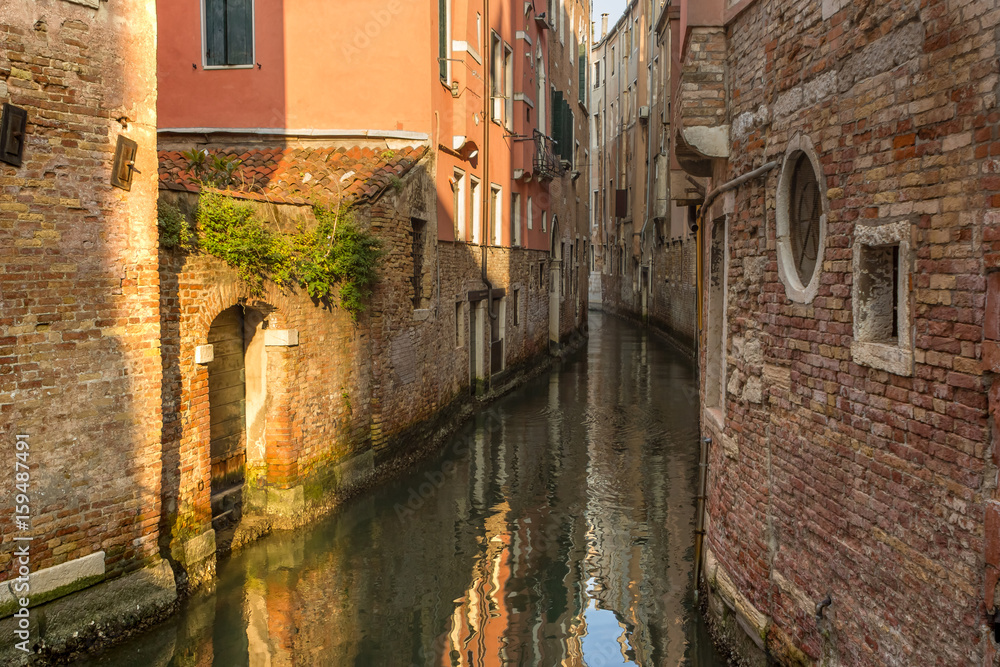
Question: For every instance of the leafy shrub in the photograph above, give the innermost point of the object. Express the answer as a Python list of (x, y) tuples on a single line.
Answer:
[(175, 230)]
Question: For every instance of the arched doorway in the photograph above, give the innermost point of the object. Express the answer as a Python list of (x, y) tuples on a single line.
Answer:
[(231, 336), (555, 282)]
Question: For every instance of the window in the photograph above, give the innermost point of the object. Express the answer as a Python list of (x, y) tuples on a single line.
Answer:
[(496, 55), (801, 221), (508, 87), (444, 39), (612, 60), (459, 324), (228, 33), (458, 195), (517, 306), (496, 211), (582, 89), (544, 226), (418, 234), (541, 275), (477, 208), (880, 297), (597, 74), (515, 218), (529, 213)]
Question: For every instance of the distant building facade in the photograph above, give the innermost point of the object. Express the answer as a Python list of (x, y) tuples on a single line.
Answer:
[(642, 204), (848, 324)]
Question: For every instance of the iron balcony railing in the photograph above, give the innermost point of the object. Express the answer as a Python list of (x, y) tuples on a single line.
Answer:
[(546, 164)]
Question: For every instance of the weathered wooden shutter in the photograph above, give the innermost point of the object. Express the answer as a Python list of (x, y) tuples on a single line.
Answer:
[(566, 144), (582, 62), (239, 32), (443, 39), (215, 32), (621, 203)]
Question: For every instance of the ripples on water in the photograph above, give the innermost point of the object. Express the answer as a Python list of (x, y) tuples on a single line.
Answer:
[(557, 529)]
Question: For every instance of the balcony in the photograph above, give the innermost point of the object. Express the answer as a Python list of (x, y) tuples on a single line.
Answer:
[(546, 163)]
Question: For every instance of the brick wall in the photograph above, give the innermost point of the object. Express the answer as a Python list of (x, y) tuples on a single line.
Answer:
[(829, 475), (352, 399), (79, 316)]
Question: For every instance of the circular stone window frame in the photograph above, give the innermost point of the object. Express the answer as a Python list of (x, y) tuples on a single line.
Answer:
[(787, 273)]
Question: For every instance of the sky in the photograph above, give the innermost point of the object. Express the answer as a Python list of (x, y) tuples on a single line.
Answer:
[(613, 8)]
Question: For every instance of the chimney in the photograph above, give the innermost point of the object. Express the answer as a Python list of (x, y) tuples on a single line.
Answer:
[(604, 26)]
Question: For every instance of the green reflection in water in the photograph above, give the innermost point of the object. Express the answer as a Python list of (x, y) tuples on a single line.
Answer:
[(555, 529)]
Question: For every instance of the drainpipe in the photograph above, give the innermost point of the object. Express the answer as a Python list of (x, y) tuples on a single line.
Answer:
[(699, 531)]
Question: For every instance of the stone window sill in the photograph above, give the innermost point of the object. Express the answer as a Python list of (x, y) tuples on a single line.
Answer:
[(883, 356)]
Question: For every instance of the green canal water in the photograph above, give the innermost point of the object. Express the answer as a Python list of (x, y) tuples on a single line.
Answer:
[(556, 528)]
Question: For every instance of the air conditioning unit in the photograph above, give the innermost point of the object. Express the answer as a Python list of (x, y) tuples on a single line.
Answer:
[(643, 113)]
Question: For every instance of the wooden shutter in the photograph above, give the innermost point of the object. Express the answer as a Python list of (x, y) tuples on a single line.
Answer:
[(239, 32), (566, 144), (557, 119), (215, 32), (582, 61), (621, 203)]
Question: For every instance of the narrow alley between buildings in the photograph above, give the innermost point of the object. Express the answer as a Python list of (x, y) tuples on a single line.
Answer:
[(556, 528)]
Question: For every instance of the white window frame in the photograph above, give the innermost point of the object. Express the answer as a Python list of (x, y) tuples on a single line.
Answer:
[(529, 213), (476, 196), (515, 218), (496, 195), (496, 85), (508, 86), (461, 228), (253, 40)]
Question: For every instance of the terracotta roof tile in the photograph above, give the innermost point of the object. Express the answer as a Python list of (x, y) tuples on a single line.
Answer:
[(300, 175)]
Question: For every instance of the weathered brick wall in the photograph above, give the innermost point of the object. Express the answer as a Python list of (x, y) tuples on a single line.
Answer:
[(829, 476), (79, 316), (671, 307), (703, 81), (344, 403)]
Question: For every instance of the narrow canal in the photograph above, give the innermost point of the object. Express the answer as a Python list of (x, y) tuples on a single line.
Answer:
[(556, 529)]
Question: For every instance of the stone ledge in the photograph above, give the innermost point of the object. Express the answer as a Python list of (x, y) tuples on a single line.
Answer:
[(93, 617), (54, 582)]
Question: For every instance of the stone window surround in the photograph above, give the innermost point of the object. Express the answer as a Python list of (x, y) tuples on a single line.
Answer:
[(895, 358), (794, 289)]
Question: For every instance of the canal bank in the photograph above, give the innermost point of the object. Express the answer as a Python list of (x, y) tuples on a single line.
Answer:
[(555, 527)]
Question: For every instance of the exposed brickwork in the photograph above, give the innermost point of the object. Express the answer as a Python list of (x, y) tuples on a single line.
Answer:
[(340, 402), (829, 476), (79, 316)]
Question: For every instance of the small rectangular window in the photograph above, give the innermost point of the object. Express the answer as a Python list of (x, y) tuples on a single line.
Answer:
[(508, 87), (496, 89), (541, 275), (529, 213), (459, 325), (517, 307), (544, 221), (880, 295), (228, 33)]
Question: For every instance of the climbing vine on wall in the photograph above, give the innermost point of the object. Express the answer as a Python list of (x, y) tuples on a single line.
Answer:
[(335, 257)]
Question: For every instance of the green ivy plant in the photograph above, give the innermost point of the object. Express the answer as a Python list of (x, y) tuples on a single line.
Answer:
[(336, 257), (175, 230)]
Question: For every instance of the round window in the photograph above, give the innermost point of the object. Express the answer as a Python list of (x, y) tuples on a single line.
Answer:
[(801, 221), (803, 218)]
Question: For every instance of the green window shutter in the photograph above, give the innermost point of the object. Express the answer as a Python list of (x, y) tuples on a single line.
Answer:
[(567, 152), (557, 118), (582, 62), (443, 39), (239, 32), (215, 32)]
